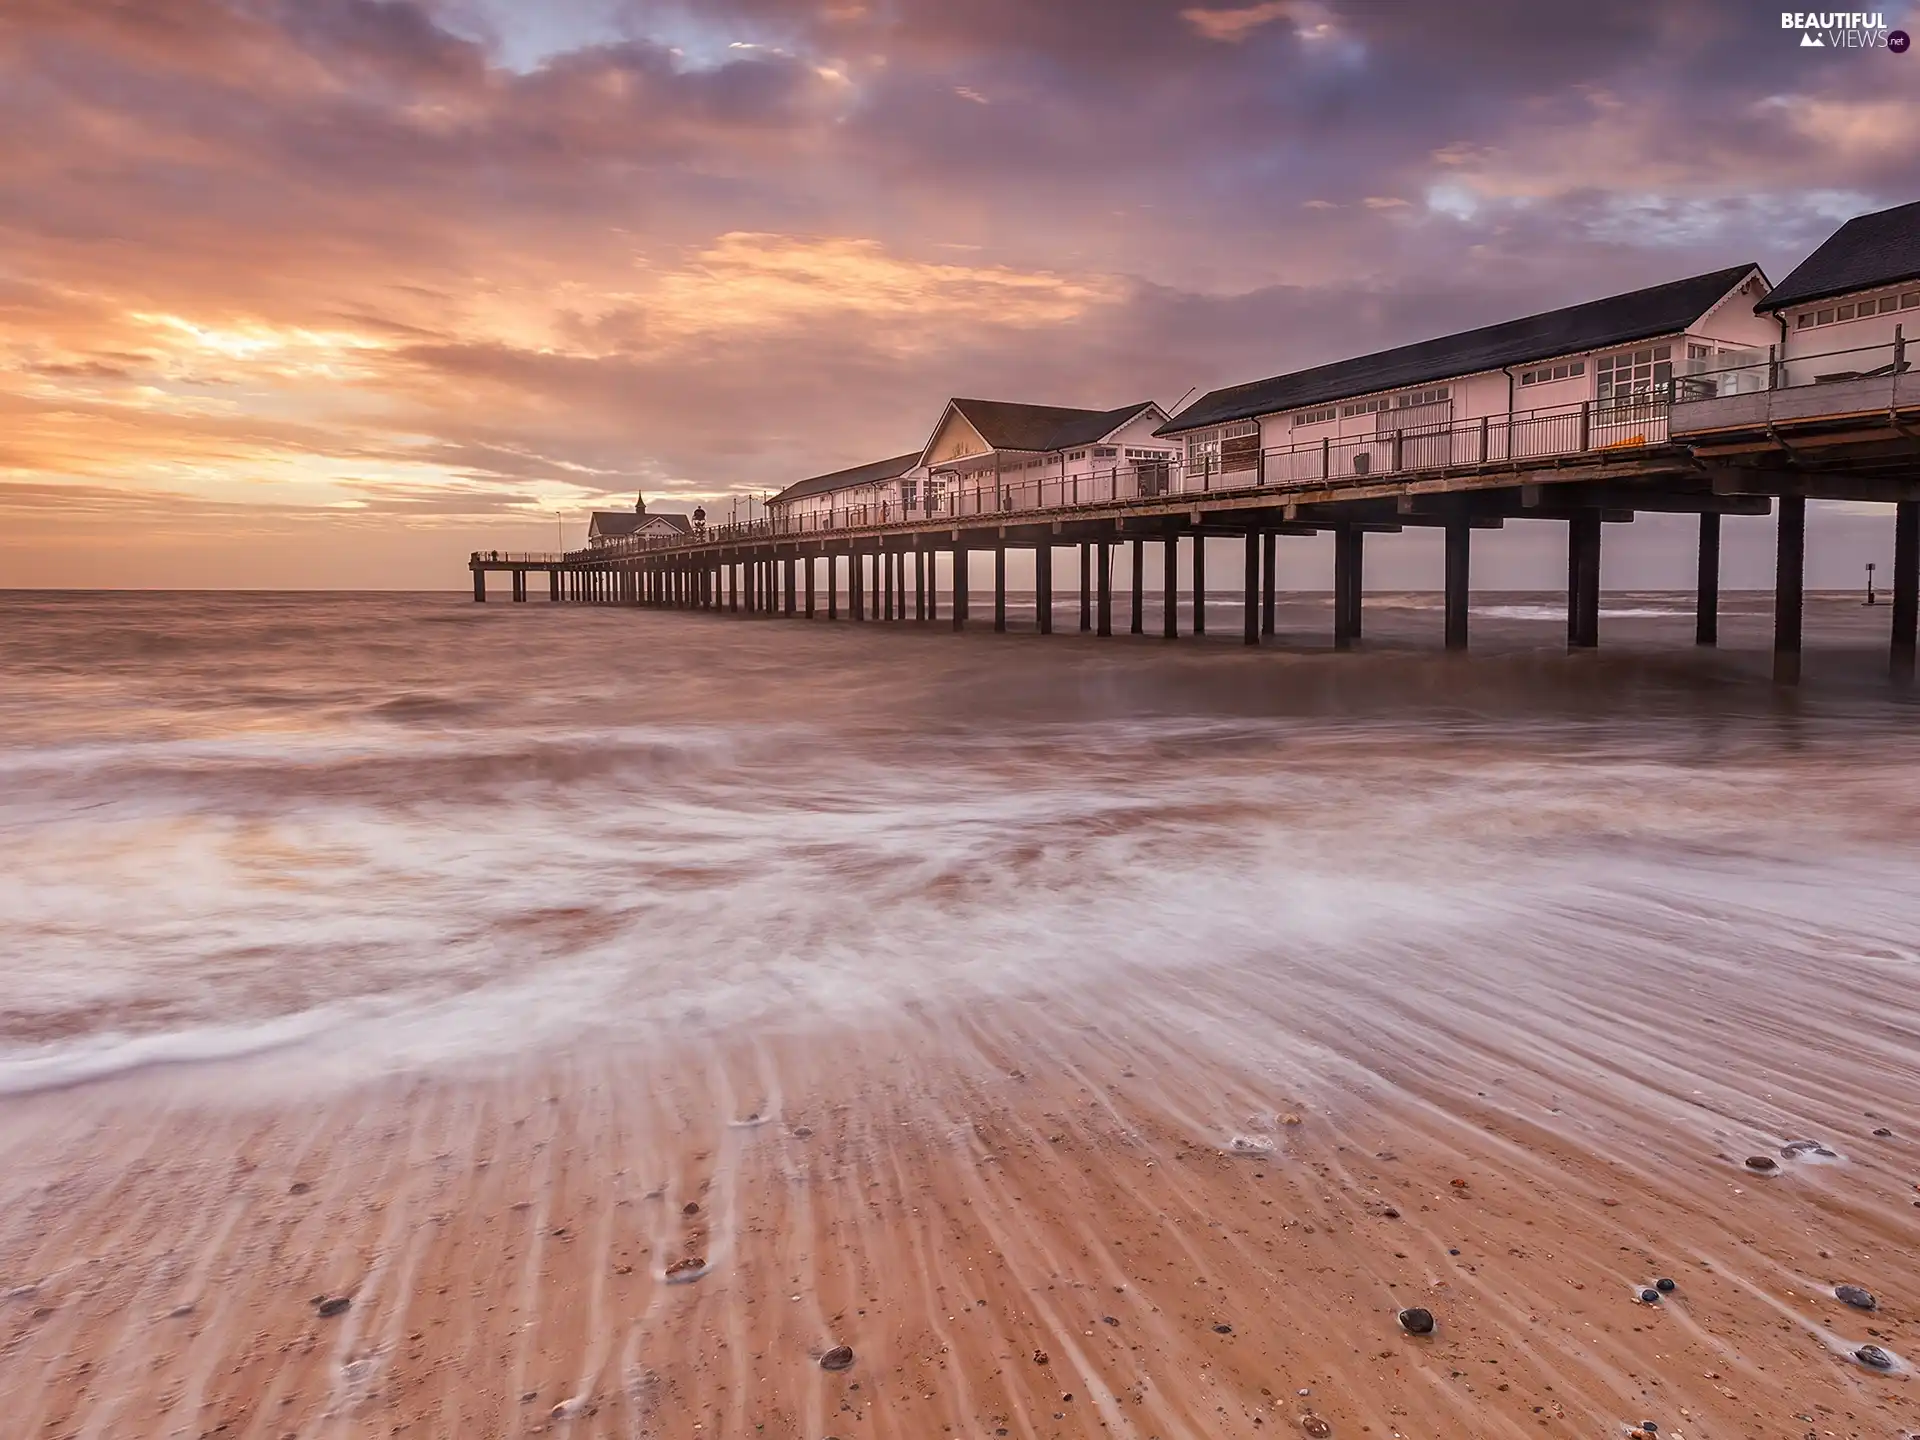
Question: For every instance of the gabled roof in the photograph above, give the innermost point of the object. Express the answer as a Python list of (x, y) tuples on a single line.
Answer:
[(873, 473), (1009, 425), (1878, 249), (613, 523), (1618, 320)]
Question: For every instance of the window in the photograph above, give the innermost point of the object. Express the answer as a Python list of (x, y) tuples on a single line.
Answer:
[(1642, 372), (1078, 455), (1316, 417), (1825, 317), (1909, 300), (1149, 454), (1806, 319), (908, 491), (1104, 452), (1699, 352), (1889, 302), (1842, 312), (1544, 373), (1437, 395), (1362, 407)]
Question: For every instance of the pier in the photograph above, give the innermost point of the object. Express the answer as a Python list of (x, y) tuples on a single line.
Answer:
[(1717, 394), (1742, 455)]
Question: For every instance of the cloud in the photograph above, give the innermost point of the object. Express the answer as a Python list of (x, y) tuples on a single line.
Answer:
[(1231, 26), (363, 263)]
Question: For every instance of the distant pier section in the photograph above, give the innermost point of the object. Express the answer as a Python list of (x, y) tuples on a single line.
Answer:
[(1715, 395)]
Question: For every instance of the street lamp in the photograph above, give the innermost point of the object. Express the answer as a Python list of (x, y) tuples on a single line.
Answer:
[(1870, 596)]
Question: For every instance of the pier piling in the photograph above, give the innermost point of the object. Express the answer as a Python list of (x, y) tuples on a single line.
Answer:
[(1906, 588), (959, 586), (1789, 589), (1199, 585), (1104, 598), (1583, 580), (1170, 588), (1706, 609), (1269, 546), (1459, 562), (1086, 586), (1138, 619), (1252, 621), (1043, 588), (1000, 587)]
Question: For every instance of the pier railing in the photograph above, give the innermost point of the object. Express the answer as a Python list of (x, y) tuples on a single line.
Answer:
[(1631, 423)]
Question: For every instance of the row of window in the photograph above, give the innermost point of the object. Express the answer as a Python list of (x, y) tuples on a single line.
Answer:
[(1544, 373), (1857, 310)]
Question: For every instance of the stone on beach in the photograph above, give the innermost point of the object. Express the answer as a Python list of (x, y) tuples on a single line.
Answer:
[(1855, 1296), (680, 1272), (1417, 1321), (330, 1305), (838, 1358), (1873, 1357), (1762, 1163)]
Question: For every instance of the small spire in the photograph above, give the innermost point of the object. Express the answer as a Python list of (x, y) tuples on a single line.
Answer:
[(639, 502)]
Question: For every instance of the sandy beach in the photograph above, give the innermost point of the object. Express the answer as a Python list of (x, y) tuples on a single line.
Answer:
[(1131, 1094)]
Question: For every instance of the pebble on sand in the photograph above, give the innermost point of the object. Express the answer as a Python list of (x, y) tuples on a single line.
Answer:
[(1416, 1321), (1664, 1285), (329, 1305), (1040, 1357), (1853, 1295), (1762, 1163), (692, 1207), (569, 1409), (1315, 1426), (680, 1272), (840, 1357), (1883, 1133), (1873, 1357), (1223, 1329), (1649, 1296)]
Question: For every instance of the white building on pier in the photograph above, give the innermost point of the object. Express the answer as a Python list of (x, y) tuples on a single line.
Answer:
[(1587, 376)]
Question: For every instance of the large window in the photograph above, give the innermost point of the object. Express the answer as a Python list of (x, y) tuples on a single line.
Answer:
[(1545, 374), (1632, 374)]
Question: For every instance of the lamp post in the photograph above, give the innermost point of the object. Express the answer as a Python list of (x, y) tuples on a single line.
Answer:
[(1871, 600)]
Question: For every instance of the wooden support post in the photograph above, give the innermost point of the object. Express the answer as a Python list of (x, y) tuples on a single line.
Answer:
[(1043, 587), (1583, 580), (1199, 585), (1000, 587), (1459, 563), (1170, 588), (1104, 594), (1706, 609), (1906, 588), (960, 586), (933, 584), (833, 587), (885, 562), (1269, 557), (1345, 582), (1086, 586), (479, 586), (789, 578), (1252, 622), (919, 582), (1789, 589), (809, 587), (553, 587), (1138, 618), (856, 586)]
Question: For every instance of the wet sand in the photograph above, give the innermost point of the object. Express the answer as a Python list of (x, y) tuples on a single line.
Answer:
[(1029, 1219), (1123, 1073)]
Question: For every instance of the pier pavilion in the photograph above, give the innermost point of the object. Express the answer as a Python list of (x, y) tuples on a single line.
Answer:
[(1703, 396)]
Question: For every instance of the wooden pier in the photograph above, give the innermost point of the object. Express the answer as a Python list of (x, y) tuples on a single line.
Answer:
[(1738, 456)]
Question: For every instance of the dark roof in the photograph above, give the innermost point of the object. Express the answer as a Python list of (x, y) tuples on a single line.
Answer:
[(1878, 249), (628, 522), (1007, 425), (872, 473), (1617, 320)]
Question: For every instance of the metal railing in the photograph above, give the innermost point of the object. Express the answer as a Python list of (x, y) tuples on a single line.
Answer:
[(1591, 427), (1788, 370), (517, 557)]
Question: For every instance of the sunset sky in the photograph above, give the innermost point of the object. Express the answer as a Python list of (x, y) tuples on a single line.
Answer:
[(331, 292)]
